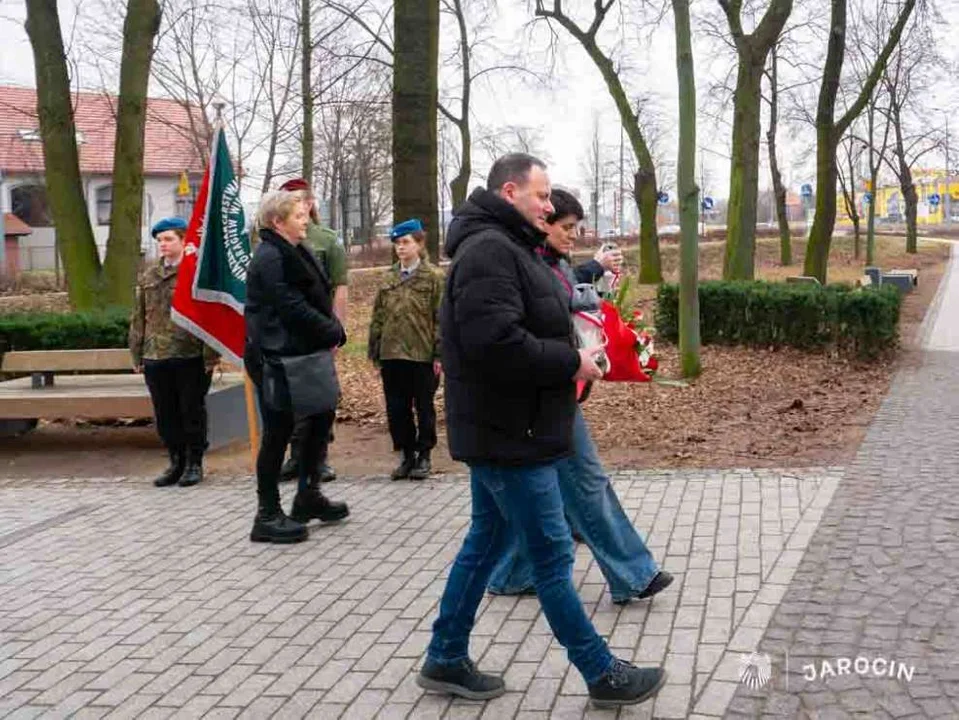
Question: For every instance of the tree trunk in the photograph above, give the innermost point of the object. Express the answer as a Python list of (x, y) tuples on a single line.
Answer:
[(306, 81), (460, 184), (647, 202), (688, 196), (738, 263), (126, 214), (911, 200), (856, 236), (828, 130), (415, 95), (871, 222), (779, 190), (62, 175), (824, 220)]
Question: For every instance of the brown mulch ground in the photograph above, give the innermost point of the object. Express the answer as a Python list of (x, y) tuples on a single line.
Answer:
[(750, 407)]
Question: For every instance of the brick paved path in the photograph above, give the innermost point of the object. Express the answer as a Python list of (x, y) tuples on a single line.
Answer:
[(121, 600), (880, 579)]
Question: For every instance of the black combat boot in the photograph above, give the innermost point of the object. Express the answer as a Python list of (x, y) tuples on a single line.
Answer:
[(405, 467), (311, 503), (422, 468), (290, 470), (172, 474), (193, 474), (272, 526)]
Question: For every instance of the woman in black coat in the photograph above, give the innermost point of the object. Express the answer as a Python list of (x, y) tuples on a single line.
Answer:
[(291, 332)]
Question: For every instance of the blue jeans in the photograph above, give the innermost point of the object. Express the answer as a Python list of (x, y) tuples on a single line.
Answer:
[(527, 499), (594, 512)]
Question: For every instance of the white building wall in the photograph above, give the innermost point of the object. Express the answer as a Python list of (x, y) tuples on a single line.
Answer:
[(37, 249)]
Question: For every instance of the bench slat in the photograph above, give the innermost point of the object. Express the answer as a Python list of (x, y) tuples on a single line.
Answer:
[(30, 361)]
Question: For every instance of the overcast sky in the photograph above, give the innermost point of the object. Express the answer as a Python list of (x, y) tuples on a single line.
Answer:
[(564, 113)]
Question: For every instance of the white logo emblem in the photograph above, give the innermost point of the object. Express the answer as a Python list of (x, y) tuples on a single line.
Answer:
[(754, 669)]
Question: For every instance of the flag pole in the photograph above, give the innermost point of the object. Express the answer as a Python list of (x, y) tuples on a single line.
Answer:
[(251, 418)]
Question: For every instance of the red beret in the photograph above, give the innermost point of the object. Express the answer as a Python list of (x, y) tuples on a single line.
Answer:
[(295, 184)]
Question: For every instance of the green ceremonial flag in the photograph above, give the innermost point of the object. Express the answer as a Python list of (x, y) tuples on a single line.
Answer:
[(224, 253)]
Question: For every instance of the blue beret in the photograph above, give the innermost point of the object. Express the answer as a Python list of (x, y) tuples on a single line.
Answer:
[(406, 228), (170, 223)]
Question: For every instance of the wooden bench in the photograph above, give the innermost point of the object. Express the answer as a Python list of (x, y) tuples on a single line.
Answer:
[(57, 384), (803, 280)]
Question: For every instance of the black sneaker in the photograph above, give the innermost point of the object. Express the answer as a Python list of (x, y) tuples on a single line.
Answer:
[(462, 680), (325, 474), (275, 527), (660, 582), (524, 592), (626, 684)]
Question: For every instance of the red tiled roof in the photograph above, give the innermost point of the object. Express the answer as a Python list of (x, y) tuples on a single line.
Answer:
[(170, 148), (12, 225)]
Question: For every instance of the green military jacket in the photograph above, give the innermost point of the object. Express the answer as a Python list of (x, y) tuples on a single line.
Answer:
[(322, 241), (153, 336), (406, 322)]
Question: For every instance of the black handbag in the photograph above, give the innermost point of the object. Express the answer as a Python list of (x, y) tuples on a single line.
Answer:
[(305, 384)]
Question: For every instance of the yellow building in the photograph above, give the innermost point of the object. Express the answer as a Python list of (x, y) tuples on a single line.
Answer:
[(890, 206)]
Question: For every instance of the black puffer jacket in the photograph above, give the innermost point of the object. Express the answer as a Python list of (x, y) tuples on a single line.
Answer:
[(288, 308), (507, 342)]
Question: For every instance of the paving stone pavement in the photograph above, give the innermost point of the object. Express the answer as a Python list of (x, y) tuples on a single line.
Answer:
[(869, 626), (123, 600)]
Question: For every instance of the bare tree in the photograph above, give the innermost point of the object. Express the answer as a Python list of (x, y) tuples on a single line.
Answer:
[(752, 50), (779, 189), (829, 130), (645, 188), (848, 169)]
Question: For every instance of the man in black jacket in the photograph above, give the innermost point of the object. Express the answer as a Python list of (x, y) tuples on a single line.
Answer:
[(511, 364)]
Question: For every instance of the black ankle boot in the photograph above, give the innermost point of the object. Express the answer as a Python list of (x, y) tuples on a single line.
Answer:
[(272, 526), (172, 474), (193, 474), (311, 503), (421, 470), (405, 467)]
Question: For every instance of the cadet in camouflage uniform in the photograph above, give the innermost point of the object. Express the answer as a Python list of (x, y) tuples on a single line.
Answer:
[(332, 258), (176, 365), (405, 343)]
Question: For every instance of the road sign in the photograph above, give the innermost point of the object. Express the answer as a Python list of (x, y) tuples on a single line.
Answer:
[(934, 199), (806, 190), (867, 198), (708, 203), (663, 198), (183, 187)]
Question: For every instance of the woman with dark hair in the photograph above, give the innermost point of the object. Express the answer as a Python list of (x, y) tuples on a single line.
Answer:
[(290, 334), (592, 507)]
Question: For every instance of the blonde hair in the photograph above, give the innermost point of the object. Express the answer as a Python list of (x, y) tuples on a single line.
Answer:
[(276, 206)]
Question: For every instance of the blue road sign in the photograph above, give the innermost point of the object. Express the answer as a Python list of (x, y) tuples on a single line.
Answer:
[(867, 198), (934, 199), (663, 198), (806, 190), (708, 203)]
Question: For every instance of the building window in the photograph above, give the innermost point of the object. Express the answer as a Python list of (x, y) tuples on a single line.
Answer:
[(30, 205), (104, 204), (184, 203)]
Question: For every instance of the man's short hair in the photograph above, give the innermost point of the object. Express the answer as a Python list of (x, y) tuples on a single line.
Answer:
[(564, 203), (513, 168)]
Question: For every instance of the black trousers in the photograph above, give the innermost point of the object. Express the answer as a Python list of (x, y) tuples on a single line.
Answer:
[(408, 385), (300, 430), (277, 429), (178, 388)]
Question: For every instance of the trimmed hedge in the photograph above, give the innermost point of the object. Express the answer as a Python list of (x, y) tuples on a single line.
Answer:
[(64, 331), (860, 323)]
